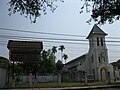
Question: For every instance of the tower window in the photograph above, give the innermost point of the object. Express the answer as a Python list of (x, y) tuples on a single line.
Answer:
[(101, 42), (92, 58), (97, 41), (92, 42), (99, 59), (93, 73), (104, 59)]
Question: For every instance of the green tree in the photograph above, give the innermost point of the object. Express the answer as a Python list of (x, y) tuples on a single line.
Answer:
[(5, 63), (101, 10), (61, 48), (65, 57), (48, 62), (59, 66), (32, 8), (18, 70), (54, 50)]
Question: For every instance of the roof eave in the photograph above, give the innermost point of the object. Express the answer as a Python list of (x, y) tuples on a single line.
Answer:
[(95, 34)]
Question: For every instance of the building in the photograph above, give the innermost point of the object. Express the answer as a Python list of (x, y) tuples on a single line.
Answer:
[(24, 51), (116, 68), (73, 64), (95, 62), (4, 62)]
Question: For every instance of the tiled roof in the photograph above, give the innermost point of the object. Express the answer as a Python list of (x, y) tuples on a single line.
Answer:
[(78, 58)]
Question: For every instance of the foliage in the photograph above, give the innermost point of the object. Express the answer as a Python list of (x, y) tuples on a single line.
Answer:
[(65, 57), (61, 48), (59, 66), (46, 65), (18, 69), (32, 8), (102, 10), (48, 62), (54, 49), (4, 62)]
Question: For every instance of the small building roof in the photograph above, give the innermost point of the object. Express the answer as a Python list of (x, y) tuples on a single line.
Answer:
[(116, 63), (96, 30), (13, 44), (82, 56)]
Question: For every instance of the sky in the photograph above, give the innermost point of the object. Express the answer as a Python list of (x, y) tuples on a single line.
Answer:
[(65, 20)]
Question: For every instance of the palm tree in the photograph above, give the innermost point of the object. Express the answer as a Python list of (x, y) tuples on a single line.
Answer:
[(61, 48), (59, 66), (65, 57), (54, 49)]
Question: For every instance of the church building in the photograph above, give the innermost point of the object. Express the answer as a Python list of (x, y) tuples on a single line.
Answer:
[(95, 62)]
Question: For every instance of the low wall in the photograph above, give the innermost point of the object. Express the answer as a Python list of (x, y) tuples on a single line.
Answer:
[(39, 78)]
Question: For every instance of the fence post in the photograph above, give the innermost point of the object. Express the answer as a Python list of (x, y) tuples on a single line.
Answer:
[(109, 79), (86, 83), (30, 79), (59, 78)]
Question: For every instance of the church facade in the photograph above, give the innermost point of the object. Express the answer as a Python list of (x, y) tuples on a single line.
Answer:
[(95, 62)]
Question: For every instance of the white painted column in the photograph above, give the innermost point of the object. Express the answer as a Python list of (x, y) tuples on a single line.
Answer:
[(30, 79)]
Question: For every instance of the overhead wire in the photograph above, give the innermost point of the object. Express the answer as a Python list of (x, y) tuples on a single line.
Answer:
[(55, 40), (42, 38), (18, 30), (51, 38), (60, 34), (60, 40)]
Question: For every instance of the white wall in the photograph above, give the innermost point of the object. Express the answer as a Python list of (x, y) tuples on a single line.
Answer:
[(84, 66), (2, 77)]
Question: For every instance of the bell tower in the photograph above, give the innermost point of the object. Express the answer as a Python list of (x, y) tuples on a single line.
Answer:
[(97, 44), (97, 49)]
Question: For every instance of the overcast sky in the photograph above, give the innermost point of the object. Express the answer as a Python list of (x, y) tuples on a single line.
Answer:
[(65, 20)]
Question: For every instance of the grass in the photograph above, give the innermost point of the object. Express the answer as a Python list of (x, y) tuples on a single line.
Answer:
[(49, 84), (55, 84)]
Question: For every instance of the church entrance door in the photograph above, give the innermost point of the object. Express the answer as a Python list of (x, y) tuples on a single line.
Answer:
[(103, 73)]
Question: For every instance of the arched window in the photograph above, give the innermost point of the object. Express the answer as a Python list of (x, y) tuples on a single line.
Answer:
[(93, 74), (102, 57)]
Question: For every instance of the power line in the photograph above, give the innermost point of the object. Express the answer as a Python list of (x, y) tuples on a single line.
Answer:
[(113, 37), (66, 42), (66, 49), (19, 30), (73, 48), (7, 36), (7, 29), (55, 40), (2, 43)]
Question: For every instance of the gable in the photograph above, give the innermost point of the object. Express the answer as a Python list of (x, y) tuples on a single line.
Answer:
[(96, 31)]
